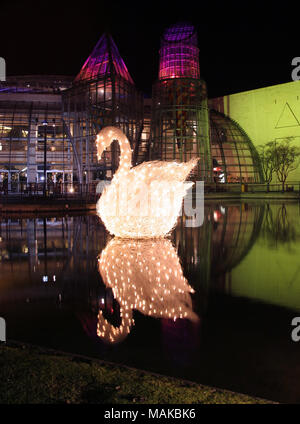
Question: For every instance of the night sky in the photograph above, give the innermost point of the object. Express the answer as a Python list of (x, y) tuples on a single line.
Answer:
[(243, 45)]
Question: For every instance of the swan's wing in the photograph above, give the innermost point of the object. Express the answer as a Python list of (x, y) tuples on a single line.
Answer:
[(161, 170)]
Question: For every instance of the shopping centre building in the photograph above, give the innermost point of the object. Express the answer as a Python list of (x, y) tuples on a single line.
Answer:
[(48, 124)]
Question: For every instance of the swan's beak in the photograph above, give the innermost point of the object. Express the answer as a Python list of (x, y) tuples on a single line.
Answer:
[(99, 153), (188, 185)]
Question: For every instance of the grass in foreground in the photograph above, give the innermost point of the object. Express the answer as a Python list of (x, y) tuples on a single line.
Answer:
[(32, 376)]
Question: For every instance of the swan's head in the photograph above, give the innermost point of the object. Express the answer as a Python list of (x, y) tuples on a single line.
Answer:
[(104, 140), (106, 136)]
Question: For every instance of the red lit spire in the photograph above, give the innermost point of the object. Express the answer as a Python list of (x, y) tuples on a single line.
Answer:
[(104, 59)]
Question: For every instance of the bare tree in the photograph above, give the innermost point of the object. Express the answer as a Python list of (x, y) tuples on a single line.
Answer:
[(278, 228), (267, 156), (286, 159)]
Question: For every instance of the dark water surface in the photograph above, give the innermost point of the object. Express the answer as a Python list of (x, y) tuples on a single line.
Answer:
[(214, 304)]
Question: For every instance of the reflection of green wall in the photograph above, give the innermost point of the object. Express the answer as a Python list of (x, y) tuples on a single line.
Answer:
[(266, 114), (271, 275)]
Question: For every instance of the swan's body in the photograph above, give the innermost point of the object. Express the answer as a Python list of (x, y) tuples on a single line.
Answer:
[(143, 201), (144, 275)]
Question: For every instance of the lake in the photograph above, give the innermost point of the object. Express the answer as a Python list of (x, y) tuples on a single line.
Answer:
[(212, 304)]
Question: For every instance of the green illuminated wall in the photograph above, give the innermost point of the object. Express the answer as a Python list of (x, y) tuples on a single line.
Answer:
[(266, 114), (270, 272)]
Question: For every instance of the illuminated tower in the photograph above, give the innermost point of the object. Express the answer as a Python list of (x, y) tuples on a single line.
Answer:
[(179, 53), (180, 122)]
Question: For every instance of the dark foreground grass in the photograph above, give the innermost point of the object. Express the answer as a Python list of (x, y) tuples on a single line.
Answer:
[(29, 375)]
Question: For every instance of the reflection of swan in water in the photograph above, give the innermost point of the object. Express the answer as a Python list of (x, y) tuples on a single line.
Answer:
[(143, 201), (144, 275)]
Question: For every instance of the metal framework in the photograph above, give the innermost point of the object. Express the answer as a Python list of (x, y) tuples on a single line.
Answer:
[(180, 125), (235, 159), (179, 53), (60, 251), (48, 124), (103, 94), (209, 252), (28, 130)]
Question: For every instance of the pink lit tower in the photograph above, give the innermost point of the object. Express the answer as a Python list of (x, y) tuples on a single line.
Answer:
[(180, 121)]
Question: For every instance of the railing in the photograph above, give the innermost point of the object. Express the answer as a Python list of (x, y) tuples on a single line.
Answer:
[(39, 191), (293, 186), (89, 192)]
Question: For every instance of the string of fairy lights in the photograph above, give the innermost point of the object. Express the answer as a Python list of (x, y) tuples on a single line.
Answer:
[(144, 201), (144, 275), (140, 207)]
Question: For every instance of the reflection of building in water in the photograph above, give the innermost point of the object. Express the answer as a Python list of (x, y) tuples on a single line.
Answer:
[(244, 249), (48, 257), (144, 275), (52, 257), (235, 229), (213, 249), (271, 271)]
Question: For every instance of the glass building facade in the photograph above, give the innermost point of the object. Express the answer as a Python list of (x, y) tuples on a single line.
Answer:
[(31, 128), (184, 127), (235, 159), (48, 124), (103, 93), (180, 125), (179, 53)]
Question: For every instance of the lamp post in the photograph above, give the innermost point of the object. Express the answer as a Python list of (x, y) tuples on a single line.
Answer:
[(45, 123)]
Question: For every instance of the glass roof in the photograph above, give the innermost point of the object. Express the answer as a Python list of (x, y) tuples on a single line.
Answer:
[(104, 59), (179, 32)]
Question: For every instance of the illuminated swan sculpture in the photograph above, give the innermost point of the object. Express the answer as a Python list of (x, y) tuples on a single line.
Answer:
[(144, 275), (143, 201)]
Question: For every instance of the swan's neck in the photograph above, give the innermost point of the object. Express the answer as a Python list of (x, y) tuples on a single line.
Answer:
[(106, 136), (125, 157)]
